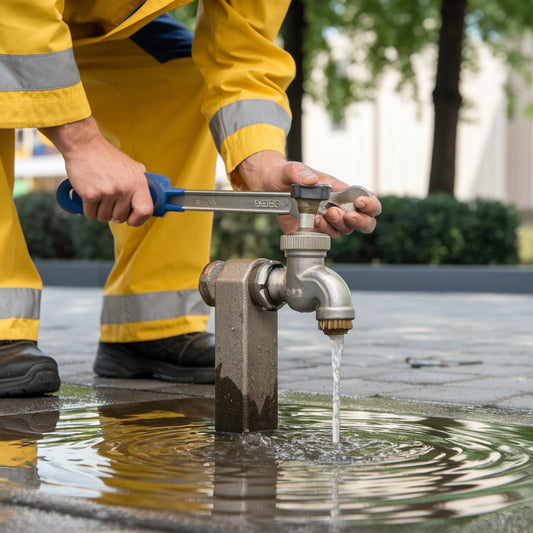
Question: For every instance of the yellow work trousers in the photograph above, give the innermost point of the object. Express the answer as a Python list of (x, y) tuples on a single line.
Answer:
[(150, 111), (20, 284)]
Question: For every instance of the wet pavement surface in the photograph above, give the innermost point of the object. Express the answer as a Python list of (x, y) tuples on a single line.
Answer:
[(442, 355)]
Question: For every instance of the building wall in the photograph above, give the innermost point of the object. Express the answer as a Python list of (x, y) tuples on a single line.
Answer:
[(519, 168), (386, 145)]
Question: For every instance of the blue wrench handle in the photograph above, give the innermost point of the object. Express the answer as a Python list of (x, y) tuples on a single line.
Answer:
[(159, 186), (161, 192), (68, 198)]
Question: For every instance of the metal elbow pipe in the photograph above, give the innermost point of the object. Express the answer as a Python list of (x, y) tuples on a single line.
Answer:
[(305, 284), (311, 286), (319, 289)]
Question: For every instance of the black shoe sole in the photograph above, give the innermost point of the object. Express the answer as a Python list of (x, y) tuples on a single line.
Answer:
[(125, 366), (40, 379)]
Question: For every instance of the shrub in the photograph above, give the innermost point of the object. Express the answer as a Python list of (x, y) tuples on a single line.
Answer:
[(52, 233), (46, 226), (245, 235), (91, 239), (435, 230)]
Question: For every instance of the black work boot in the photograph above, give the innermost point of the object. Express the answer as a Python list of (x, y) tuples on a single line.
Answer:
[(25, 370), (188, 358)]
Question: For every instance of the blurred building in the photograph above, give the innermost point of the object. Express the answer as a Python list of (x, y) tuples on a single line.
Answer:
[(38, 165), (386, 145)]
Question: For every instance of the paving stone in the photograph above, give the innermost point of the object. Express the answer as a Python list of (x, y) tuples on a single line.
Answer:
[(494, 328)]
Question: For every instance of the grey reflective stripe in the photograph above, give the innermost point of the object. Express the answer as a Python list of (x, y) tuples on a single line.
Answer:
[(38, 72), (233, 117), (19, 303), (152, 306)]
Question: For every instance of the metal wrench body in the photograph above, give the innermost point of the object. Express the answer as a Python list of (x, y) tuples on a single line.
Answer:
[(167, 198)]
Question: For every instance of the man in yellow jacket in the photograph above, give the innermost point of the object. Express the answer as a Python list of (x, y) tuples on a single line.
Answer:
[(120, 87)]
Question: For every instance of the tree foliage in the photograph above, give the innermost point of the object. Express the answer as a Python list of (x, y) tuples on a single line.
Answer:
[(355, 42), (186, 14), (380, 36), (504, 25), (349, 45)]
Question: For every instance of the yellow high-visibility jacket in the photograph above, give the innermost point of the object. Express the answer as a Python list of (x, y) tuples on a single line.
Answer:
[(245, 73)]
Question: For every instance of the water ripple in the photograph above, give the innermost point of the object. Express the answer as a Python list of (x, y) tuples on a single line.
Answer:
[(386, 469)]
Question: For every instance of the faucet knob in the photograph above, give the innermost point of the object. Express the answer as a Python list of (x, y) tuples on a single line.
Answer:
[(310, 192), (308, 199)]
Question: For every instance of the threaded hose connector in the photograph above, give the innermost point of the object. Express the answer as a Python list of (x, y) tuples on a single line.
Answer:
[(335, 327), (305, 241)]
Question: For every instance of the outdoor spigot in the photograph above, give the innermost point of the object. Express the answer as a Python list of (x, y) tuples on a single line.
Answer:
[(308, 285)]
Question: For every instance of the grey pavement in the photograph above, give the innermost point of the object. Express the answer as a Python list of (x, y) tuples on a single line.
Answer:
[(486, 339)]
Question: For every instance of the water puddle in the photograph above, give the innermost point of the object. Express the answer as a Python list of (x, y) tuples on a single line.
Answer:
[(386, 468)]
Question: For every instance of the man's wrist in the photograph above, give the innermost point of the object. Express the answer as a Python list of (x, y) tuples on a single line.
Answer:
[(68, 137), (251, 169)]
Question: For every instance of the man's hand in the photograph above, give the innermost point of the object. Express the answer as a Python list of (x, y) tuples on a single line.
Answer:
[(270, 171), (112, 186)]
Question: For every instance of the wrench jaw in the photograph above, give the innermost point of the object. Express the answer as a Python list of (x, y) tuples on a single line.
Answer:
[(343, 199)]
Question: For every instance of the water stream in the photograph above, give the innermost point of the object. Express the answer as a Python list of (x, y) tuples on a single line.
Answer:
[(337, 348)]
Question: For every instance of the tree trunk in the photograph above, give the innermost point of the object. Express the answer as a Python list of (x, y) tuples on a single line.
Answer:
[(293, 35), (446, 96)]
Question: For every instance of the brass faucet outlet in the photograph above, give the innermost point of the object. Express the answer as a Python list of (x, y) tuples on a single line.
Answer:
[(335, 327)]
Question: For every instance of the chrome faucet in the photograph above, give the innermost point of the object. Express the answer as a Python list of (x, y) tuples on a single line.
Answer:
[(306, 284)]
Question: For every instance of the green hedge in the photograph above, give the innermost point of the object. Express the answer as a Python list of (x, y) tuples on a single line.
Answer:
[(436, 230), (245, 235), (52, 233)]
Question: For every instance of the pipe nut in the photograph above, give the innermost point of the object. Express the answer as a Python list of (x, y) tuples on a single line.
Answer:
[(310, 192), (207, 282), (258, 285)]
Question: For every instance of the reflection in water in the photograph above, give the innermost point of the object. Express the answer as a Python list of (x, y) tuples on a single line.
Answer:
[(144, 455), (386, 469), (18, 445)]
